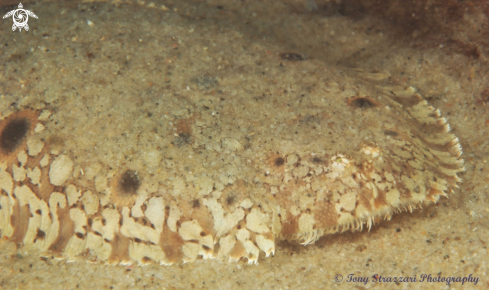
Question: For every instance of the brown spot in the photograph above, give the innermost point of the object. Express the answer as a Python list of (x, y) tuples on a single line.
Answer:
[(39, 212), (279, 161), (90, 55), (125, 188), (391, 133), (97, 233), (196, 203), (276, 162), (80, 235), (146, 260), (317, 160), (202, 234), (358, 102), (232, 195), (230, 200), (129, 183), (361, 248), (40, 234), (13, 134), (291, 56)]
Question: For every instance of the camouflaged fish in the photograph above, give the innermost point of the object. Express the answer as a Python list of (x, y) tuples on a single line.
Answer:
[(396, 155), (141, 164)]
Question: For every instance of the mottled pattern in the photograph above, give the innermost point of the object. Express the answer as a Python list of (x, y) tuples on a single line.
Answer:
[(411, 160), (285, 156)]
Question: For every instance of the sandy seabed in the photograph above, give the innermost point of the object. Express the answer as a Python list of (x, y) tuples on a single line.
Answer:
[(55, 63)]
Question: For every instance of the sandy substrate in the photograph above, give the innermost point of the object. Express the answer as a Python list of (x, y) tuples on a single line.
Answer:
[(52, 66)]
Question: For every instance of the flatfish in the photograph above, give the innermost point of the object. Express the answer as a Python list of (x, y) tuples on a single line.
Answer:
[(182, 147)]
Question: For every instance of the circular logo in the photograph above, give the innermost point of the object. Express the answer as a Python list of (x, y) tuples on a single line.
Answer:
[(338, 278), (20, 17)]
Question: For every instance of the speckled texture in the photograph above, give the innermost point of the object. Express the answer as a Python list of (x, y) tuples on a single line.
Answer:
[(429, 241)]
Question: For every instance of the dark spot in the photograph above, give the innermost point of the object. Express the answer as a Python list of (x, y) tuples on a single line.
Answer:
[(206, 248), (182, 139), (40, 234), (317, 160), (279, 161), (238, 227), (202, 234), (107, 240), (97, 233), (398, 230), (90, 221), (292, 56), (104, 222), (230, 200), (362, 103), (129, 182), (146, 259), (391, 133), (361, 248), (354, 175), (80, 235), (137, 240), (195, 203), (90, 55), (13, 134)]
